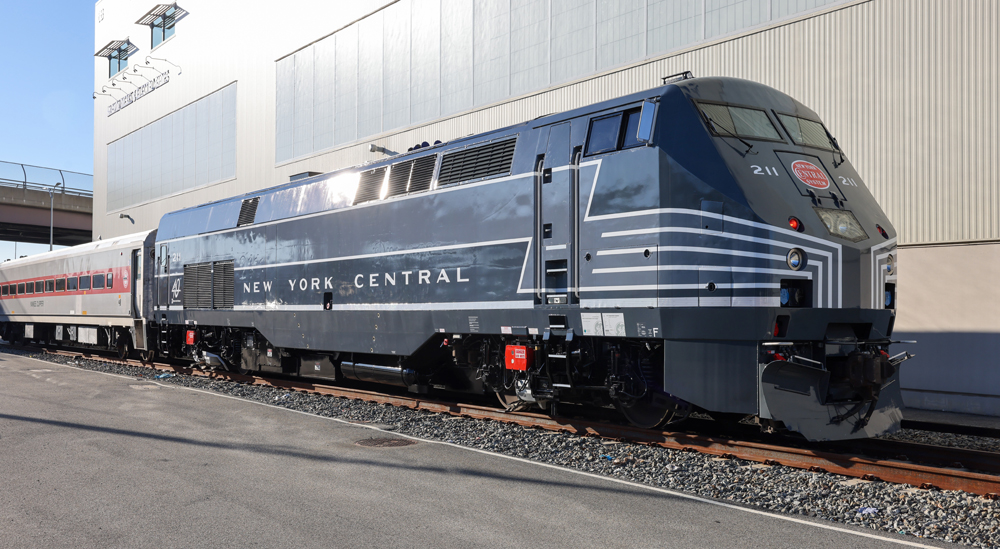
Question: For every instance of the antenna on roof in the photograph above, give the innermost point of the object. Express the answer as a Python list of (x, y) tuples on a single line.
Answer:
[(677, 77)]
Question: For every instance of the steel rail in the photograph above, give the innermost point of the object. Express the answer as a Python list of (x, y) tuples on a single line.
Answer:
[(887, 470)]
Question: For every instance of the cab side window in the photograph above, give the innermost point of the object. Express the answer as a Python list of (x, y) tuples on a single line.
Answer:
[(614, 132), (111, 281)]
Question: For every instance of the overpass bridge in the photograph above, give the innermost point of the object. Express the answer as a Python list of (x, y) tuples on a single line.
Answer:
[(25, 202)]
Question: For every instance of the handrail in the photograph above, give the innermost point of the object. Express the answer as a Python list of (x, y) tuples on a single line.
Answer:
[(26, 183)]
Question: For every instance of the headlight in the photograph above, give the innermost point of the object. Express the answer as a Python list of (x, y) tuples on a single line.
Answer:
[(796, 259), (842, 224), (890, 265)]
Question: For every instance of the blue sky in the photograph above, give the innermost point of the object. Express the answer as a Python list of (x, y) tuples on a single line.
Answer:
[(46, 86)]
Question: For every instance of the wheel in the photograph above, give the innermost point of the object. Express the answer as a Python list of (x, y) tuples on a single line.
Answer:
[(124, 347), (644, 413)]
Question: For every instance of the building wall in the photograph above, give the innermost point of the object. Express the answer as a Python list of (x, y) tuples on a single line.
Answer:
[(905, 85)]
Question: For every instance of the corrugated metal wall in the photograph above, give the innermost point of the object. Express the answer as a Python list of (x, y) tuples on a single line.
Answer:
[(907, 86)]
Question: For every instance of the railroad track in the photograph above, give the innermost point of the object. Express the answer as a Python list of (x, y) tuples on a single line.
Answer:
[(923, 466)]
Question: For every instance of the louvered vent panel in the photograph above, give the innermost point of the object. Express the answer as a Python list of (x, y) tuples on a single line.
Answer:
[(248, 211), (222, 284), (370, 186), (198, 286), (423, 172), (477, 162), (399, 177)]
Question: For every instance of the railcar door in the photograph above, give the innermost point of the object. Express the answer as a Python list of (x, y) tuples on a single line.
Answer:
[(137, 292), (557, 215)]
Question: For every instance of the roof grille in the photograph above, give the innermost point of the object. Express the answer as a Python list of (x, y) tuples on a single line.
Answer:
[(222, 284), (370, 186), (477, 162), (399, 177), (198, 286), (248, 211), (423, 173)]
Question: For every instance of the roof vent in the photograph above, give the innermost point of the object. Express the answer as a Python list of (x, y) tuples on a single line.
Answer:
[(370, 185), (248, 211), (423, 173), (477, 162)]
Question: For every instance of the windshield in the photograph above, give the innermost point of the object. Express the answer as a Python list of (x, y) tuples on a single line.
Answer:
[(806, 132), (740, 121)]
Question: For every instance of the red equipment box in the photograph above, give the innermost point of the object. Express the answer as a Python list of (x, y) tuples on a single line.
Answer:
[(519, 357)]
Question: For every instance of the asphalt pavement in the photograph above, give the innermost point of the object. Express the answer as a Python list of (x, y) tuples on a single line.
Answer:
[(95, 460)]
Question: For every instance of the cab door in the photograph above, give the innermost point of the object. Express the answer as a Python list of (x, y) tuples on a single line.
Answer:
[(557, 214)]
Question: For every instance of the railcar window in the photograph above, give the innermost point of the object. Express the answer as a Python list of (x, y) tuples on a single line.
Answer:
[(29, 288), (84, 282), (20, 288), (603, 135), (111, 281), (50, 286), (71, 284), (3, 290), (39, 286), (806, 132), (60, 284), (629, 137), (98, 282), (740, 121)]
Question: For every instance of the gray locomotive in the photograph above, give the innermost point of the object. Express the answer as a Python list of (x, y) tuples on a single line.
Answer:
[(701, 246)]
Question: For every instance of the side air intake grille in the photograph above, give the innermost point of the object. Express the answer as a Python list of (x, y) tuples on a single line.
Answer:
[(423, 172), (222, 284), (370, 186), (198, 286), (399, 177), (477, 162), (248, 211)]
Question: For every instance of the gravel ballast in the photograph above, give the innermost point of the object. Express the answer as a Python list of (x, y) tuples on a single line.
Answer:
[(944, 515)]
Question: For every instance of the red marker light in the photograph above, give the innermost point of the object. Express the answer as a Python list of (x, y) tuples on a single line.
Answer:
[(794, 223), (881, 231)]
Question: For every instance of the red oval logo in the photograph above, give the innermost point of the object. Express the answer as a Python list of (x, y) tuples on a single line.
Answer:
[(810, 174)]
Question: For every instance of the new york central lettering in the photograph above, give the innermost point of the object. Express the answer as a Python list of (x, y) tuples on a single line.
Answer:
[(421, 276), (366, 280)]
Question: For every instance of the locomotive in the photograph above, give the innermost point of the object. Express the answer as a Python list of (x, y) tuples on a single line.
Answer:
[(703, 246)]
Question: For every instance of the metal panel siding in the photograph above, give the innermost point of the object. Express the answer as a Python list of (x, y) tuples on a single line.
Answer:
[(302, 135), (671, 24), (621, 32), (456, 55), (491, 50), (323, 85), (425, 79), (370, 75), (396, 66), (906, 86), (572, 39), (346, 86), (284, 119)]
